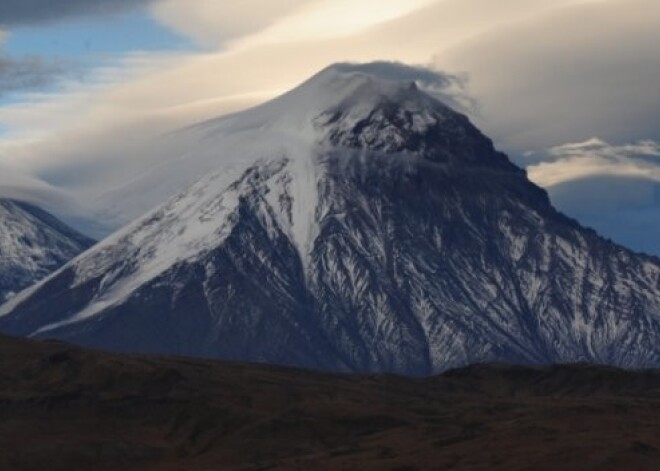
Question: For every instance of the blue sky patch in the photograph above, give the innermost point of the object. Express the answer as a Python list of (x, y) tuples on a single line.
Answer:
[(92, 39)]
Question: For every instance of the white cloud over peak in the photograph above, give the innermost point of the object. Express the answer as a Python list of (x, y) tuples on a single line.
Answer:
[(543, 73)]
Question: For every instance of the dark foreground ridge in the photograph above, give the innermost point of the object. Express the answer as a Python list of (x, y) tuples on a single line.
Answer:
[(63, 408)]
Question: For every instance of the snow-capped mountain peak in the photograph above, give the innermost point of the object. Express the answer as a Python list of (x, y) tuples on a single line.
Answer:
[(304, 113), (321, 110), (341, 107)]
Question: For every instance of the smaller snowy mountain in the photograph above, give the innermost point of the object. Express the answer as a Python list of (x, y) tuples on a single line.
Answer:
[(33, 244)]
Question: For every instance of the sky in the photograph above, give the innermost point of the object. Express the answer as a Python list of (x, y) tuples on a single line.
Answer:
[(568, 88)]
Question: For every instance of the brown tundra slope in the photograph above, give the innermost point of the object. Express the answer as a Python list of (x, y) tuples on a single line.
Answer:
[(64, 408)]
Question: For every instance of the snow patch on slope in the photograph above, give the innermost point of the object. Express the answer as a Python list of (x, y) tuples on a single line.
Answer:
[(191, 225)]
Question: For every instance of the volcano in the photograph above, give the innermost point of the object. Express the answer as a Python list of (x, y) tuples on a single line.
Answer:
[(356, 223)]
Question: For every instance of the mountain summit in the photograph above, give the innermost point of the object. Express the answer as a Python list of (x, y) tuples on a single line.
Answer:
[(356, 224)]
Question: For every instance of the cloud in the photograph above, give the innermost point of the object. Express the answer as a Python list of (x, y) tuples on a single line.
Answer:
[(26, 12), (327, 19), (565, 74), (613, 188), (448, 88), (25, 73), (20, 186), (146, 95), (213, 22), (544, 73), (595, 158), (19, 74)]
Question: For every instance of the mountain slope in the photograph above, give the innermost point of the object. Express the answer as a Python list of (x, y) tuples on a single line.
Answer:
[(356, 224), (33, 244)]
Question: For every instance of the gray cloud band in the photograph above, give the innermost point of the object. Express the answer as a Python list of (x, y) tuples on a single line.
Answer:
[(21, 12), (27, 73)]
